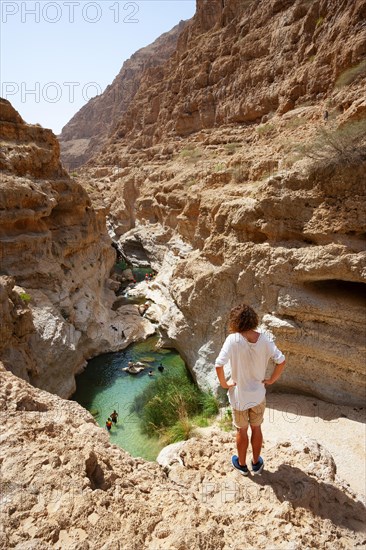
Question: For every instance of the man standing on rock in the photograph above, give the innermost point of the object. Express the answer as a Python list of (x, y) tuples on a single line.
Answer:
[(248, 352)]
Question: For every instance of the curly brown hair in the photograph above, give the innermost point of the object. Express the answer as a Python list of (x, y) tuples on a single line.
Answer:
[(242, 318)]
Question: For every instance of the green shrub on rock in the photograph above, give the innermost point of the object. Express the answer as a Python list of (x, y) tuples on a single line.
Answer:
[(336, 146), (167, 406), (25, 297)]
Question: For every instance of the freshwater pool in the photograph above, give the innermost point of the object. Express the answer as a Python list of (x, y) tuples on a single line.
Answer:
[(103, 387)]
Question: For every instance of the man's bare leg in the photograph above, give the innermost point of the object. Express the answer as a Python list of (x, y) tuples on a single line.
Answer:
[(242, 443), (256, 441)]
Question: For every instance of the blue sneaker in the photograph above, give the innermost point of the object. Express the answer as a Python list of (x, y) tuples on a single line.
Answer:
[(258, 467), (242, 469)]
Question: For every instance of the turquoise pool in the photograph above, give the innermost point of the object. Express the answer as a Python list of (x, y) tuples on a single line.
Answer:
[(103, 387)]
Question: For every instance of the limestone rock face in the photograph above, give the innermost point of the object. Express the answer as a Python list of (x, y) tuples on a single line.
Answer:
[(308, 290), (239, 61), (27, 150), (225, 171), (208, 155), (56, 259), (69, 487), (86, 133), (234, 62), (291, 244)]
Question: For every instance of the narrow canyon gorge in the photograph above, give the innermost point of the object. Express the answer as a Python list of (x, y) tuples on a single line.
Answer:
[(229, 156)]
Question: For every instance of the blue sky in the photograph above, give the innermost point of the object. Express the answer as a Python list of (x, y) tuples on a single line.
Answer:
[(55, 55)]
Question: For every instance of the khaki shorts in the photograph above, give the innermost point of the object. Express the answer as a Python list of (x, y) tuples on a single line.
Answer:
[(253, 416)]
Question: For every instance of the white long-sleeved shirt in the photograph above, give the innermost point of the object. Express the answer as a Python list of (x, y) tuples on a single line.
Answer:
[(248, 363)]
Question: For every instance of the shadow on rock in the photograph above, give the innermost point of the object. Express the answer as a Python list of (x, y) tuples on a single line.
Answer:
[(323, 499), (295, 406)]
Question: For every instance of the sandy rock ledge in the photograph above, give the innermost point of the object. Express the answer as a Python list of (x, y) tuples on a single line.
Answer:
[(65, 486)]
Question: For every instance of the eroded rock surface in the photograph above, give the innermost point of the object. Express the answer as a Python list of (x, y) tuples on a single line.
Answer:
[(229, 183), (237, 62), (202, 176), (56, 259), (69, 488), (291, 245)]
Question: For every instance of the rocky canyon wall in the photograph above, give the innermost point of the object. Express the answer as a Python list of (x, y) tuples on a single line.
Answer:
[(239, 61), (226, 210), (283, 248), (240, 190), (55, 264)]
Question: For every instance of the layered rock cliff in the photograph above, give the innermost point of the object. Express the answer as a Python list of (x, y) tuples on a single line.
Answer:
[(86, 133), (230, 213), (239, 61), (243, 179), (55, 262)]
